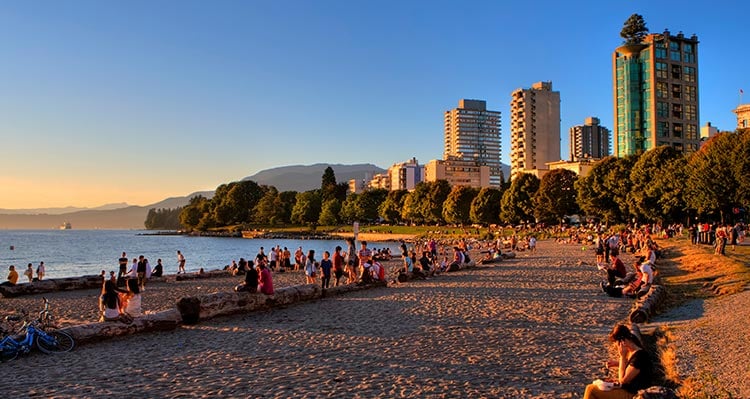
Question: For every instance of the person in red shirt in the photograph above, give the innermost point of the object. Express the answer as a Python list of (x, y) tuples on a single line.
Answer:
[(338, 265), (265, 281), (616, 269)]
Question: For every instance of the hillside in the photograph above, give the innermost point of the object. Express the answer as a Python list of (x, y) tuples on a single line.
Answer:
[(308, 177)]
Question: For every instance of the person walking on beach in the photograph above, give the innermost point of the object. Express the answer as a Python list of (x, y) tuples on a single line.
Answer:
[(310, 266), (180, 262), (29, 273), (325, 267), (40, 271), (298, 255)]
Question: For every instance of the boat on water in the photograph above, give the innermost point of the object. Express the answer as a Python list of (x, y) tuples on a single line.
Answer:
[(66, 226)]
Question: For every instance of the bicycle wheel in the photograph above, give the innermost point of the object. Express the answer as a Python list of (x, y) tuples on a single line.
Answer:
[(8, 353), (54, 342)]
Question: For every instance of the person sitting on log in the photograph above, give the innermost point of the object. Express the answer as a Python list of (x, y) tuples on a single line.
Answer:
[(251, 278), (265, 280), (630, 285), (366, 276), (109, 303), (614, 270), (458, 260), (131, 299), (634, 367), (12, 277)]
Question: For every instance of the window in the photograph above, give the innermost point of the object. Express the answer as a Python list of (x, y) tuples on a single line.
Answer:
[(690, 112), (688, 58), (678, 146), (674, 55), (676, 91), (661, 70), (676, 71), (674, 45), (661, 90), (691, 132), (689, 74), (662, 109), (677, 130), (662, 129), (677, 110), (690, 93)]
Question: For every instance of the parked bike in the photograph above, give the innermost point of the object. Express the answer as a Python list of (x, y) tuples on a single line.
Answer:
[(36, 334)]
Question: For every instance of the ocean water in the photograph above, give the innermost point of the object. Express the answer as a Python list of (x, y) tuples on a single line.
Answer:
[(69, 253)]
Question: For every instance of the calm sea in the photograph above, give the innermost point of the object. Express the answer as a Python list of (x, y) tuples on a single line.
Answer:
[(68, 253)]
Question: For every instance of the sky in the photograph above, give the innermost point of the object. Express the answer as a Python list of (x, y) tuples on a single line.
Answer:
[(109, 102)]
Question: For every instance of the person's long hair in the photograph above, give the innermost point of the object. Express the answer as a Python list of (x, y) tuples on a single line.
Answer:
[(110, 298)]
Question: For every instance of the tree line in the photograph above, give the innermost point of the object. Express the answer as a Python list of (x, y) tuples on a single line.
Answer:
[(659, 185)]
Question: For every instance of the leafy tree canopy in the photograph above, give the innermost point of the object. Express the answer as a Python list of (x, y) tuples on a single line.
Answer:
[(634, 30)]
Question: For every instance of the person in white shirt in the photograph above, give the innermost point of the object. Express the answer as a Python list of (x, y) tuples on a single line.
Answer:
[(40, 271)]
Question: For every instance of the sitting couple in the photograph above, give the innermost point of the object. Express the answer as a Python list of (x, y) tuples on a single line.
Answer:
[(632, 285)]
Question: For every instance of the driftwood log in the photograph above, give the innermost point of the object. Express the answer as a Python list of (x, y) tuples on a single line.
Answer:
[(90, 332), (196, 276), (204, 307), (454, 268), (51, 285), (648, 304)]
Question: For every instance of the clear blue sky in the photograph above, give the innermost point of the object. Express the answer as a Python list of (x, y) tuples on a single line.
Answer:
[(138, 101)]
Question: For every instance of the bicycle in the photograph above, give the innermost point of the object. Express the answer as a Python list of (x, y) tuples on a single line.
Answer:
[(53, 341)]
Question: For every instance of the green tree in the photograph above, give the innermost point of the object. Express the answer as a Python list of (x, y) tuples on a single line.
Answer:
[(413, 203), (517, 204), (657, 180), (348, 213), (328, 184), (712, 183), (432, 209), (457, 207), (191, 214), (307, 208), (485, 208), (741, 163), (390, 209), (266, 209), (603, 192), (634, 30), (163, 219), (329, 215), (235, 201), (556, 196), (368, 203), (284, 204)]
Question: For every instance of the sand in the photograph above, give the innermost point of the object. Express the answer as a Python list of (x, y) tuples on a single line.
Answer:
[(531, 327)]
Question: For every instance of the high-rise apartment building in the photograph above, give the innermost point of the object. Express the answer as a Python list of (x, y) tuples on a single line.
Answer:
[(472, 134), (535, 128), (656, 94), (589, 141), (405, 175)]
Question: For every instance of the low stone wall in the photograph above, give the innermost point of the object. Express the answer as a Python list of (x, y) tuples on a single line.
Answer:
[(51, 285)]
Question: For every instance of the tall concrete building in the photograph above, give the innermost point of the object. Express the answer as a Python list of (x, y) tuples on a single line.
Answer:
[(655, 85), (472, 134), (405, 175), (589, 141), (535, 129)]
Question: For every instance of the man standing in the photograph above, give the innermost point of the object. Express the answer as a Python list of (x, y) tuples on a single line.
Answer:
[(123, 261), (181, 262)]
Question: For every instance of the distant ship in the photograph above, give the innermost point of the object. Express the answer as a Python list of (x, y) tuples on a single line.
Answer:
[(66, 226)]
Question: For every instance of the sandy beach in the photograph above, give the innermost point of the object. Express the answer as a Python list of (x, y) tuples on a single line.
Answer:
[(531, 327)]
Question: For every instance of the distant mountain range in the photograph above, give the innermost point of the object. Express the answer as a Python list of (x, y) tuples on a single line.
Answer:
[(309, 177), (124, 216)]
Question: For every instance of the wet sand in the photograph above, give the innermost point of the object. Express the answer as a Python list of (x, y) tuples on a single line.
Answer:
[(531, 327)]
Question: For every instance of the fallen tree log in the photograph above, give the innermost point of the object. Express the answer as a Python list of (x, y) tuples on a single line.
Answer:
[(647, 305), (203, 307), (51, 285), (196, 276), (91, 332)]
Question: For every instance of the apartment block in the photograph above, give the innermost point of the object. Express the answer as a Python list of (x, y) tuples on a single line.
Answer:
[(535, 128), (472, 135)]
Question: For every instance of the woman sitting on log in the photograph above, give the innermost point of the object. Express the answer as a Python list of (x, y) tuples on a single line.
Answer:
[(109, 302), (132, 299), (634, 368)]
